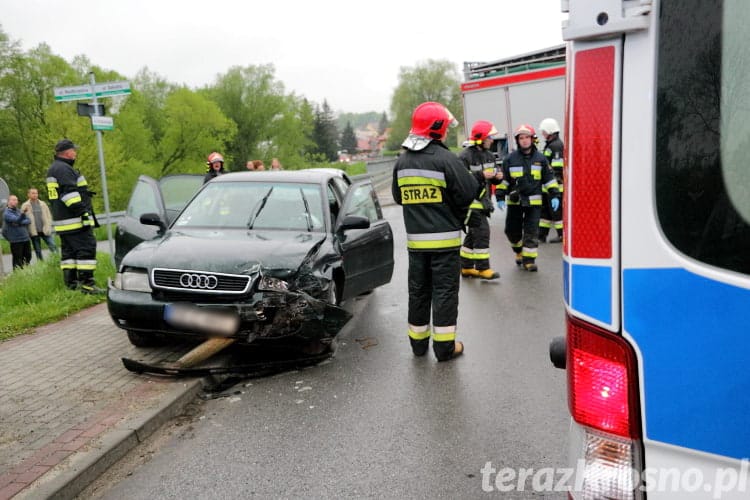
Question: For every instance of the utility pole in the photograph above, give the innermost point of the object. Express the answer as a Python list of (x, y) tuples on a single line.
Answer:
[(102, 169)]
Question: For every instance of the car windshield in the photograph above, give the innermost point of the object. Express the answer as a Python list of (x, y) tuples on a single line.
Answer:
[(256, 205)]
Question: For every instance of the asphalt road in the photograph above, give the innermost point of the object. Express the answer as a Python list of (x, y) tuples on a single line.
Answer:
[(376, 422)]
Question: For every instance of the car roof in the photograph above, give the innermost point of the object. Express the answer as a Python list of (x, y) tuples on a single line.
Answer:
[(316, 175)]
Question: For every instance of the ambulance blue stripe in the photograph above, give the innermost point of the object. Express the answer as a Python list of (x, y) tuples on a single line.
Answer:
[(566, 282), (592, 291), (693, 336)]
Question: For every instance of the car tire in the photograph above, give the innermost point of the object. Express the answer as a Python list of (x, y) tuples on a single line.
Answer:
[(140, 339)]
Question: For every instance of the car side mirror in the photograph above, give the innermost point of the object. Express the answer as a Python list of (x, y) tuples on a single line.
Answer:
[(354, 222), (153, 220)]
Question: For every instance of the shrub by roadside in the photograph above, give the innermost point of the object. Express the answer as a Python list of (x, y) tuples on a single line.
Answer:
[(36, 295)]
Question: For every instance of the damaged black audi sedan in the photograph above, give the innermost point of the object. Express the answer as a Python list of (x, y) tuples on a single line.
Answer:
[(255, 256)]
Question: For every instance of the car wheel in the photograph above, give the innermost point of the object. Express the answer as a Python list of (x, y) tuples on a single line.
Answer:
[(140, 339)]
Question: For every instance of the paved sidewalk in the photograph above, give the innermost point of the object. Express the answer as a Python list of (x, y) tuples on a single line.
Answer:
[(69, 409)]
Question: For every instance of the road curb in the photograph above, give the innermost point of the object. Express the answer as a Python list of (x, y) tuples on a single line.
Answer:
[(76, 472)]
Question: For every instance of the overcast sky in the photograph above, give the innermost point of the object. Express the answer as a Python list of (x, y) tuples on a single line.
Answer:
[(347, 52)]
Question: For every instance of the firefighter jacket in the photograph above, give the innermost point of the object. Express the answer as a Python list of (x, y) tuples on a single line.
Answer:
[(69, 197), (553, 151), (525, 175), (477, 160), (435, 190)]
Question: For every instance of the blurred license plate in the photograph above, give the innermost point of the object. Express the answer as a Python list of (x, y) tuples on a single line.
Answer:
[(197, 319)]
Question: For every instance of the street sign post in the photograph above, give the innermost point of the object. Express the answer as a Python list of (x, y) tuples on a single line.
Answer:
[(102, 123), (79, 92), (99, 122)]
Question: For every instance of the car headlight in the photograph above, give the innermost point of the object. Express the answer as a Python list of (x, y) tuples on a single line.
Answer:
[(272, 284), (133, 281)]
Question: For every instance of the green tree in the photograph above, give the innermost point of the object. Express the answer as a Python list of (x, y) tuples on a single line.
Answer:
[(194, 127), (269, 122), (431, 81), (348, 139), (30, 121), (325, 133)]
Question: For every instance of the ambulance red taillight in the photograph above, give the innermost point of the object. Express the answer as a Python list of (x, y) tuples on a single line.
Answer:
[(602, 380), (603, 399)]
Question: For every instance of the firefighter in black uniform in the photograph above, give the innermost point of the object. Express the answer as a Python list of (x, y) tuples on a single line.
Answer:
[(525, 174), (73, 218), (435, 190), (553, 151), (477, 157)]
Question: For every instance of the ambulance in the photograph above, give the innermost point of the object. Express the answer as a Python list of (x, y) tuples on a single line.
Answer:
[(656, 251)]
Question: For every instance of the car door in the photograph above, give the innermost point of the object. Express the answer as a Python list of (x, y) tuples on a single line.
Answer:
[(166, 198), (367, 253)]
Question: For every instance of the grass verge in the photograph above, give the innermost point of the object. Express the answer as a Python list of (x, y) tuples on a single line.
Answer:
[(36, 295)]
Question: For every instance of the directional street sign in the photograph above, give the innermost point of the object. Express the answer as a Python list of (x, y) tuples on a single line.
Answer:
[(102, 123), (77, 92)]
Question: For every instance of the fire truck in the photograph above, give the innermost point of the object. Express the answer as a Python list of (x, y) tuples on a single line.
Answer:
[(656, 251), (521, 89)]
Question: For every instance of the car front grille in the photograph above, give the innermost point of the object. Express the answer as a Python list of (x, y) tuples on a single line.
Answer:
[(201, 282)]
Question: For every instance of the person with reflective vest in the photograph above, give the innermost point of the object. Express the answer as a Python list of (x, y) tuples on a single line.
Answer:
[(73, 219), (215, 165), (479, 160), (526, 174), (553, 151), (435, 190)]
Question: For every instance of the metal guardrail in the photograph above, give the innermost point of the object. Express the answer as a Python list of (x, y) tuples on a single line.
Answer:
[(112, 219)]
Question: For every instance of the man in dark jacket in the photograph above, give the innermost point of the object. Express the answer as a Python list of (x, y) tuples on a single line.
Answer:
[(15, 230), (73, 219), (435, 190), (479, 160), (526, 174)]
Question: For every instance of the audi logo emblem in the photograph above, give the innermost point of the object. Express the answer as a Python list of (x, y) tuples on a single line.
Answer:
[(202, 281)]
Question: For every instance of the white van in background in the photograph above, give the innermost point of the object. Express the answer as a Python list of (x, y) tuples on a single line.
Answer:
[(657, 247)]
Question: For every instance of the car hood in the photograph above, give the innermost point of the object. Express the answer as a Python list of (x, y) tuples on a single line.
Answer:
[(233, 251)]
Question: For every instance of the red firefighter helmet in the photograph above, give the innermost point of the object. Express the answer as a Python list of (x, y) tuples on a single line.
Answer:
[(214, 157), (431, 119), (524, 129), (481, 131)]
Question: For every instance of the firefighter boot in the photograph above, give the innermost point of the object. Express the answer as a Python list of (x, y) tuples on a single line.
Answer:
[(70, 277), (469, 272), (488, 274), (519, 259), (419, 347), (529, 265), (87, 283)]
